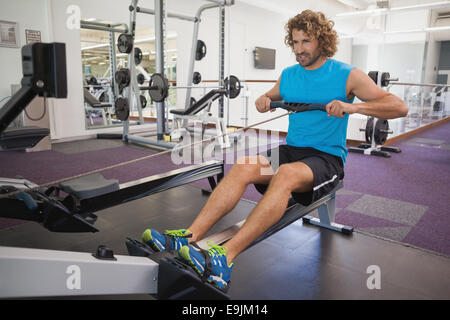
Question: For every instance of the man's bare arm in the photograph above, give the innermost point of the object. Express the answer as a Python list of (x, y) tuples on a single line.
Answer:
[(263, 102), (376, 102)]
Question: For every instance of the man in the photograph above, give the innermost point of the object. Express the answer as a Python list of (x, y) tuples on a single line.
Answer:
[(312, 161)]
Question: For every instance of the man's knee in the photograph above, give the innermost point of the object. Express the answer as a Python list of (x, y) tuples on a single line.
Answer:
[(252, 167), (294, 177)]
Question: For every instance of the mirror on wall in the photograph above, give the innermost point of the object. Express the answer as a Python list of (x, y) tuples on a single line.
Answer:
[(98, 80)]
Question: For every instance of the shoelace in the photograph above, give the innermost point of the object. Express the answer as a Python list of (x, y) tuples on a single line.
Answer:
[(181, 233), (216, 250)]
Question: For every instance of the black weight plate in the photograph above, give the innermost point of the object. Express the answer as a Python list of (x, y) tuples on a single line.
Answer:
[(159, 87), (233, 87), (143, 101), (138, 56), (381, 128), (197, 78), (122, 109), (140, 78), (200, 51), (437, 106), (385, 76), (369, 130), (123, 78), (125, 43), (373, 75)]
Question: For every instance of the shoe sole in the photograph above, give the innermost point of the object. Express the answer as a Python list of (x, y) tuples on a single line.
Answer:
[(184, 253)]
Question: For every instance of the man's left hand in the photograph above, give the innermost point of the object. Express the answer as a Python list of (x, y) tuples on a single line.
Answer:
[(339, 108)]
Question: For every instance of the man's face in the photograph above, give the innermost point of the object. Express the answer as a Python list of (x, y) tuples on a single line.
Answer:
[(306, 49)]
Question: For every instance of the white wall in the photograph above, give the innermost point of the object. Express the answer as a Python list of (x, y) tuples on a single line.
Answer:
[(29, 15), (432, 55)]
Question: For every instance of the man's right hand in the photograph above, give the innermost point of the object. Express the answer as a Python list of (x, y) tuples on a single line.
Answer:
[(263, 104)]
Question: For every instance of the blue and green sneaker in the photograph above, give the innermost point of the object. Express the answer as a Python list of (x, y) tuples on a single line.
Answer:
[(210, 264), (158, 242)]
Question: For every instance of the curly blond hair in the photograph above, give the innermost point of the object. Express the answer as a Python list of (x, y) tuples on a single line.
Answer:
[(316, 26)]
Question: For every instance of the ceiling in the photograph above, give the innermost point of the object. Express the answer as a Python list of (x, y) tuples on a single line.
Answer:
[(287, 7), (352, 25)]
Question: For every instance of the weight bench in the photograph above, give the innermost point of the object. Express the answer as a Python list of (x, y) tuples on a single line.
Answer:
[(94, 103), (200, 111)]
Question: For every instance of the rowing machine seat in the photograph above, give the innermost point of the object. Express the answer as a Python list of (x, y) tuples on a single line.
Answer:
[(89, 186)]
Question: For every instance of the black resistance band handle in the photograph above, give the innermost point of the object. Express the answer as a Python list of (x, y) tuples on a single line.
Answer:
[(298, 107)]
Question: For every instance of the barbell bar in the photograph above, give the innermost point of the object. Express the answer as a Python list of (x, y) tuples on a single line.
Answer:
[(420, 84), (159, 87), (386, 80)]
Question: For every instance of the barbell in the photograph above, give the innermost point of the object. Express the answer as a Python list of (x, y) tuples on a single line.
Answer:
[(386, 80), (158, 87)]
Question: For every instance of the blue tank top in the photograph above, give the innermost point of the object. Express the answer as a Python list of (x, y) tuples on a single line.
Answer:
[(314, 128)]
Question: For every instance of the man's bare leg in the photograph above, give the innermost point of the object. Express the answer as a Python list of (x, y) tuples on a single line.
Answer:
[(229, 191), (292, 177)]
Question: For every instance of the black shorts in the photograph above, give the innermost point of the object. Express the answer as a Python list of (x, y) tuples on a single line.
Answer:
[(328, 170)]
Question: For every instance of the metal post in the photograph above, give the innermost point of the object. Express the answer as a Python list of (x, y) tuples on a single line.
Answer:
[(159, 59), (127, 92), (123, 28), (169, 14), (193, 50), (221, 55), (113, 63), (191, 64), (134, 88), (227, 44), (165, 64)]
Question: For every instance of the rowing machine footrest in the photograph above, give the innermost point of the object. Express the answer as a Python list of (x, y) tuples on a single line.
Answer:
[(177, 280), (138, 249)]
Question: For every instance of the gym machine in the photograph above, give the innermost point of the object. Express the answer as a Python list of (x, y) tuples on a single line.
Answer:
[(49, 273), (112, 29), (158, 83), (199, 110), (44, 68), (72, 212)]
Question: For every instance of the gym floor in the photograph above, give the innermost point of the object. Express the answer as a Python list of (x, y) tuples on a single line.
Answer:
[(299, 262), (398, 207)]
